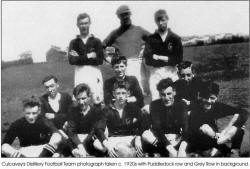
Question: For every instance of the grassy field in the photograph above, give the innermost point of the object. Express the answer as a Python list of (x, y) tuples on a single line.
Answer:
[(25, 80)]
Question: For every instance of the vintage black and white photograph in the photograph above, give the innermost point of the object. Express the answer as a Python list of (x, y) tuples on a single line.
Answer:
[(140, 79)]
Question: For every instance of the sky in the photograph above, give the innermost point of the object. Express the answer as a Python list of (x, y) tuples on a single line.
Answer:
[(35, 26)]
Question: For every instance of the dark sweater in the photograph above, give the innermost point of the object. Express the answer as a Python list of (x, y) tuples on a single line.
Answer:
[(28, 134), (171, 47), (61, 115), (134, 89), (168, 120), (92, 45)]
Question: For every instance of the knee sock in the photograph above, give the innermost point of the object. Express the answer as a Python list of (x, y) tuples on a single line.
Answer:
[(48, 151)]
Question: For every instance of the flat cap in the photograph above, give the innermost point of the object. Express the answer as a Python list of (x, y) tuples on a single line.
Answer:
[(122, 9)]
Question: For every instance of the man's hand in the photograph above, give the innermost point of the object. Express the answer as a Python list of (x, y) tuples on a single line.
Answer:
[(50, 116), (160, 57), (110, 148), (91, 55), (79, 151), (131, 99), (145, 109), (73, 53), (172, 151), (138, 146)]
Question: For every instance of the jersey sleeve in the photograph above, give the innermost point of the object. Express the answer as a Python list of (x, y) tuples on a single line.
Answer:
[(11, 134)]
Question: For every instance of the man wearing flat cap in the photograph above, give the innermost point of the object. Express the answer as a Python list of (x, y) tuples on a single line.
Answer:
[(129, 40), (163, 51)]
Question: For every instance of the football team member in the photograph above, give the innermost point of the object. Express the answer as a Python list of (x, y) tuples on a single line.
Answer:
[(31, 130), (188, 85), (119, 65), (123, 121), (129, 40), (163, 51), (82, 119), (55, 104), (169, 122), (86, 53), (203, 130)]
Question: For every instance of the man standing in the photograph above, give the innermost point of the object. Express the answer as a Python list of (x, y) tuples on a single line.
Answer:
[(119, 65), (86, 53), (163, 51), (129, 40), (55, 104)]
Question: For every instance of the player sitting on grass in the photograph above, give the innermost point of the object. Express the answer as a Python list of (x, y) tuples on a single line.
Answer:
[(168, 121), (31, 130), (123, 121), (188, 84), (203, 129), (119, 65)]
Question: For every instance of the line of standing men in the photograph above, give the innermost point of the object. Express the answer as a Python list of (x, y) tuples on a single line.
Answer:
[(121, 129)]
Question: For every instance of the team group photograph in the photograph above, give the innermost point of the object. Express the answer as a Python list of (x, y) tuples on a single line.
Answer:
[(154, 103)]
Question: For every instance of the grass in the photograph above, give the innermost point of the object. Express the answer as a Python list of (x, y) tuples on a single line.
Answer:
[(25, 80)]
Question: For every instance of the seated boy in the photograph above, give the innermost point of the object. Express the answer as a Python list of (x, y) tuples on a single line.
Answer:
[(168, 121), (123, 121), (31, 130), (203, 129), (119, 65)]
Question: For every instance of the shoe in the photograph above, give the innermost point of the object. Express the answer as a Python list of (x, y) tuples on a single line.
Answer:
[(235, 153)]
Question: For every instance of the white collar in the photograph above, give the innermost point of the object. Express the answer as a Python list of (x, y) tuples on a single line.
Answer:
[(86, 111), (56, 99)]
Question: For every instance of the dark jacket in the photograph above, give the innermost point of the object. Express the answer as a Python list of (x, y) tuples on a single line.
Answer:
[(92, 45), (171, 47)]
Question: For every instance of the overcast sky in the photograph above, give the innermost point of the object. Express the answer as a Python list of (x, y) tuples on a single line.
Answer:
[(37, 25)]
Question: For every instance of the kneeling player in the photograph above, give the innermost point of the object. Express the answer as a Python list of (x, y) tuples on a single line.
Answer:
[(203, 130), (31, 130), (124, 124), (168, 118)]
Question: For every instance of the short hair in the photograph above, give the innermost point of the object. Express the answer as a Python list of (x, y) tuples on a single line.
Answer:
[(81, 88), (83, 16), (184, 65), (159, 14), (165, 83), (208, 88), (31, 102), (121, 85), (118, 60), (49, 77)]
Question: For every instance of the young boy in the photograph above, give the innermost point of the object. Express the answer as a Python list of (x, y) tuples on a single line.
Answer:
[(123, 121), (203, 130), (119, 65), (31, 130)]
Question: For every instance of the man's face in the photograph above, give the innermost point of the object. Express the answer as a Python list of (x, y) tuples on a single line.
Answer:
[(162, 24), (167, 96), (120, 70), (51, 87), (125, 19), (83, 25), (120, 95), (31, 114), (186, 74), (207, 103), (83, 100)]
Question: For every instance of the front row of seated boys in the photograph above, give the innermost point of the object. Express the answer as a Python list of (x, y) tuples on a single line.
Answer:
[(182, 123)]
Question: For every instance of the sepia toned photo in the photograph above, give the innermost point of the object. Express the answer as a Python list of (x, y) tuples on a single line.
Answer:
[(126, 79)]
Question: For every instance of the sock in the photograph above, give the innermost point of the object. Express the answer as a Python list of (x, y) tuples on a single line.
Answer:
[(48, 151)]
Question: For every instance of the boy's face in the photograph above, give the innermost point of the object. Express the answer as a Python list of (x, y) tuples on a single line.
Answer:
[(51, 87), (207, 103), (120, 70), (120, 95), (167, 95), (31, 114), (83, 25), (186, 74), (83, 100)]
